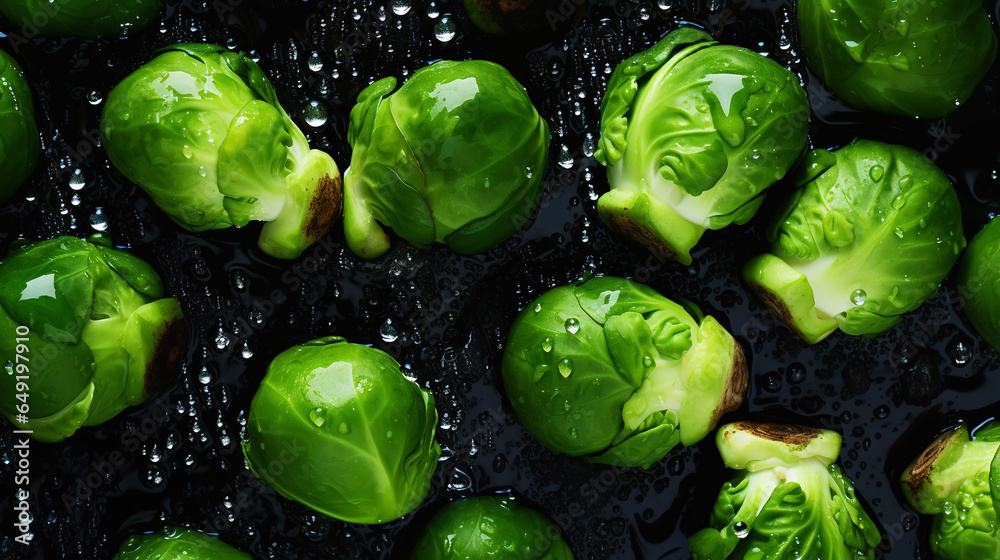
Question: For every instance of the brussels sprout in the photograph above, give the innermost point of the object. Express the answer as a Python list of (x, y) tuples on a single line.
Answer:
[(201, 130), (869, 236), (339, 428), (611, 370), (454, 156), (957, 480), (81, 18), (979, 282), (789, 501), (909, 58), (493, 527), (176, 543), (86, 332), (19, 143), (692, 133)]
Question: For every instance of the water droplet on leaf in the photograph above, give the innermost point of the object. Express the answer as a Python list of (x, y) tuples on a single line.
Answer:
[(565, 367), (858, 297)]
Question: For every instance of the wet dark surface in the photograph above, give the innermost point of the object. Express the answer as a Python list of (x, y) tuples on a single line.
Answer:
[(176, 459)]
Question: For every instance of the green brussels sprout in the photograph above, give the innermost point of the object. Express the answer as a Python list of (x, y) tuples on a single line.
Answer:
[(789, 501), (338, 427), (692, 133), (957, 480), (81, 18), (490, 527), (454, 156), (909, 58), (176, 543), (19, 143), (979, 282), (869, 236), (615, 372), (201, 130), (86, 332)]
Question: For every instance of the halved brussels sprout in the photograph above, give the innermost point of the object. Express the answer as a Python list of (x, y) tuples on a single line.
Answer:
[(615, 372), (869, 236), (86, 329), (692, 133), (918, 59), (790, 501), (957, 480), (201, 130), (19, 143), (455, 156), (338, 427), (493, 527)]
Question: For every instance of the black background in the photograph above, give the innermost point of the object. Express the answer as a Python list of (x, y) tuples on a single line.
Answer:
[(444, 316)]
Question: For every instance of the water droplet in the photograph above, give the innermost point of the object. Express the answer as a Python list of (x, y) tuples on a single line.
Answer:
[(741, 530), (344, 428), (796, 373), (316, 417), (94, 97), (960, 353), (572, 325), (221, 340), (876, 172), (499, 463), (858, 297), (388, 331), (77, 180), (565, 367), (98, 220), (460, 481), (882, 412), (400, 7), (648, 361), (154, 454), (898, 202), (565, 158), (899, 233), (314, 114), (205, 377), (547, 345), (154, 476), (315, 62), (432, 9), (239, 279), (572, 433), (772, 382), (538, 307), (900, 62), (905, 182), (444, 30), (247, 353)]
